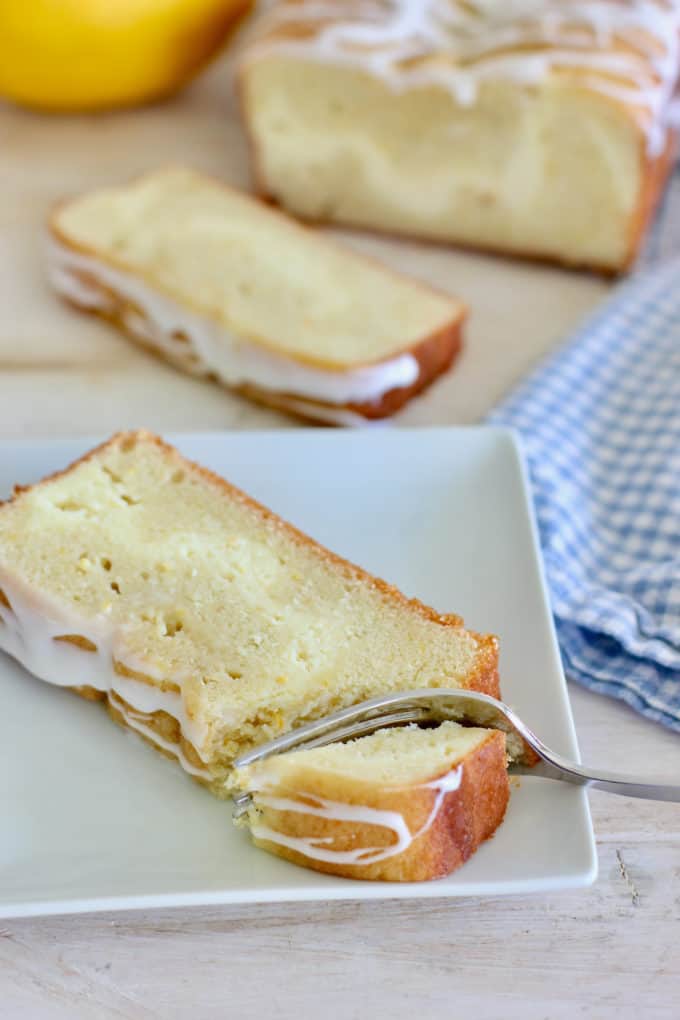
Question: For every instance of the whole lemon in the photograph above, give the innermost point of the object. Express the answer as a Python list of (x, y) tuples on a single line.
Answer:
[(97, 54)]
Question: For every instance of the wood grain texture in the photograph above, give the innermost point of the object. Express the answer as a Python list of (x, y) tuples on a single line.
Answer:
[(612, 951)]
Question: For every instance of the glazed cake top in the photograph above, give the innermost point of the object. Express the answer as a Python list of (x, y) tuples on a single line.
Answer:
[(628, 50)]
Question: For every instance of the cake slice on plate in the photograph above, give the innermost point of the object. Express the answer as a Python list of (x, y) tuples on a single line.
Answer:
[(207, 623), (403, 804)]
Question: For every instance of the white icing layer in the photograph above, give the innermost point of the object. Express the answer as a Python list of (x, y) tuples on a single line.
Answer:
[(342, 812), (139, 723), (28, 630), (628, 50), (203, 346)]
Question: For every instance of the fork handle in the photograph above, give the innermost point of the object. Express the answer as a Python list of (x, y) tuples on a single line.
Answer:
[(557, 767)]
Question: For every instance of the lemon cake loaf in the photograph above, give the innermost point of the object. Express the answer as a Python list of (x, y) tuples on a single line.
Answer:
[(403, 804), (207, 623), (222, 285), (543, 128)]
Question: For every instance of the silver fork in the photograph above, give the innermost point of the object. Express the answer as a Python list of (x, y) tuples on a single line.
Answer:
[(437, 704)]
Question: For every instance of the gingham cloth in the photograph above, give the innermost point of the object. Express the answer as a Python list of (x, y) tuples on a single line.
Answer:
[(600, 424)]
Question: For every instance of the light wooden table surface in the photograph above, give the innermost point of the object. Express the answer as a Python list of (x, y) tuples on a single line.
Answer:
[(609, 951)]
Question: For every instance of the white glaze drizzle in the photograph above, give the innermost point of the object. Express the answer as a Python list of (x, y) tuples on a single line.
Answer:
[(138, 722), (339, 811), (629, 51), (211, 347), (28, 631)]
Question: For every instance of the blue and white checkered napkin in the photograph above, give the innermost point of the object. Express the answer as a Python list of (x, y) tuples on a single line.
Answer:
[(600, 423)]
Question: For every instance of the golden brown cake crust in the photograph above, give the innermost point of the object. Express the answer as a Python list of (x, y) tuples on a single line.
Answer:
[(467, 817), (655, 175)]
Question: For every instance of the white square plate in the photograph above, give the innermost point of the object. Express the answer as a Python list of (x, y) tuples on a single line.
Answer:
[(94, 819)]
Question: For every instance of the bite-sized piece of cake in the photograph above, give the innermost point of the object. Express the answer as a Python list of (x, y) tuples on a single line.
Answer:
[(400, 805), (207, 622), (222, 285), (543, 128)]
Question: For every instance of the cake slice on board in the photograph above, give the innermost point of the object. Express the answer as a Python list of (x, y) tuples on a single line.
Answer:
[(224, 286)]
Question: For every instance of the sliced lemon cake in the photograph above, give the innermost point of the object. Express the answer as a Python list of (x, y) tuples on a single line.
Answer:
[(207, 622), (544, 128), (403, 804), (222, 285)]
